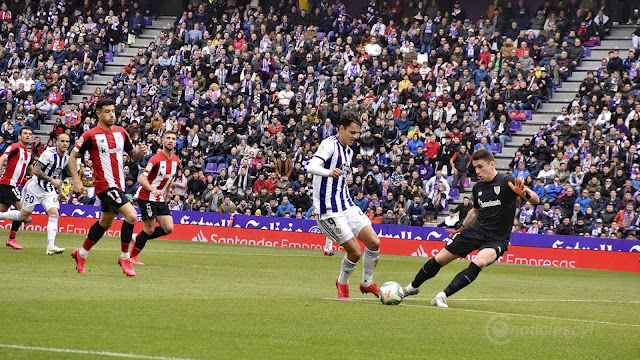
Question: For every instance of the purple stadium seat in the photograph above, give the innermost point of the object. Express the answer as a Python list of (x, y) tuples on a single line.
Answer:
[(496, 148), (148, 21), (108, 57), (454, 194), (222, 166), (211, 168), (467, 182), (515, 126), (586, 52)]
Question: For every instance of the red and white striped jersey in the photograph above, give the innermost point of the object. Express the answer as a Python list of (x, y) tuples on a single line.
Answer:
[(15, 167), (106, 150), (159, 171)]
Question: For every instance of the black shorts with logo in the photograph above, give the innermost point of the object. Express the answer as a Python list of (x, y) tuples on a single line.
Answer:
[(461, 245), (9, 195), (112, 199), (153, 209)]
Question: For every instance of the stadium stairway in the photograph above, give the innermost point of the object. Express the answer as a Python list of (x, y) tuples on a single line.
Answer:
[(619, 39), (111, 68)]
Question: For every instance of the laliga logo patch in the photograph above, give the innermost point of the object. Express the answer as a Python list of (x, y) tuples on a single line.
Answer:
[(315, 230), (338, 230)]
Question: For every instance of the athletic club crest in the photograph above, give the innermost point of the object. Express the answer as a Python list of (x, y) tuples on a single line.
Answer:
[(496, 189)]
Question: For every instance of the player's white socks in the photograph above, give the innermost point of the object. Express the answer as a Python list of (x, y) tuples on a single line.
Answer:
[(83, 252), (52, 230), (345, 270), (328, 245), (411, 290), (124, 255), (11, 215), (368, 266)]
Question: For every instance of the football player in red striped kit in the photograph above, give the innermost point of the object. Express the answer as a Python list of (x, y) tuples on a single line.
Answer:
[(106, 144), (15, 164), (155, 182)]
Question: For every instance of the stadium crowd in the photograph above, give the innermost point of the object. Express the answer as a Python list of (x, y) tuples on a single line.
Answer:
[(252, 90)]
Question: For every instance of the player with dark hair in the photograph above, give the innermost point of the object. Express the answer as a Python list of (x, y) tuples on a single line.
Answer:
[(337, 215), (106, 144), (155, 182), (15, 164), (44, 188), (486, 228)]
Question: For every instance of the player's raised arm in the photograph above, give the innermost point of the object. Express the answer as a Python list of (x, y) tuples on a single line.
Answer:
[(138, 152), (37, 171), (524, 192), (316, 167), (468, 220), (317, 162), (143, 180)]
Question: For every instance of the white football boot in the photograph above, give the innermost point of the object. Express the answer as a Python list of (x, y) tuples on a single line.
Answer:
[(54, 250), (440, 300)]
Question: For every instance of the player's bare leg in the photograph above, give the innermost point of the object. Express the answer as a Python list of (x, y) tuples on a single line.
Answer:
[(151, 232), (371, 253), (129, 215), (96, 232), (52, 230), (429, 270), (465, 277)]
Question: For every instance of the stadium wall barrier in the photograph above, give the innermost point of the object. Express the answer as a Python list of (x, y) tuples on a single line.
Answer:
[(383, 230), (526, 255)]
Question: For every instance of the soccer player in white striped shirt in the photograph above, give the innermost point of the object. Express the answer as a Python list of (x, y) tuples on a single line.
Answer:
[(45, 188), (337, 216)]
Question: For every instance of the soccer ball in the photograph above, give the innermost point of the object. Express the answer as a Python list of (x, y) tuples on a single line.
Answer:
[(391, 293)]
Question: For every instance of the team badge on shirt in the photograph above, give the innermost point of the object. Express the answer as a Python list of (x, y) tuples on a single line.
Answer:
[(496, 189)]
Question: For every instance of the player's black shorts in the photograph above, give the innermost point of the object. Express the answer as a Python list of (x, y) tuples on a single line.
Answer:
[(9, 195), (153, 209), (461, 245), (112, 199)]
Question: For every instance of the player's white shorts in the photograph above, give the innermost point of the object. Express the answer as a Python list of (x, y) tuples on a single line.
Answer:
[(33, 194), (342, 226)]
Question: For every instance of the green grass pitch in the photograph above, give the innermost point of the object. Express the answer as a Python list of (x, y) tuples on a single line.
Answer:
[(209, 301)]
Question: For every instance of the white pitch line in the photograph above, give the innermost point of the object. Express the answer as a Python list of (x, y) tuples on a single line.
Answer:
[(532, 300), (248, 254), (556, 300), (88, 352), (366, 301)]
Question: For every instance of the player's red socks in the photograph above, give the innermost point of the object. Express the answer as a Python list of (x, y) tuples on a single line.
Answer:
[(124, 247), (135, 251), (12, 234), (88, 244)]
